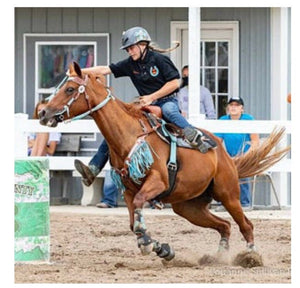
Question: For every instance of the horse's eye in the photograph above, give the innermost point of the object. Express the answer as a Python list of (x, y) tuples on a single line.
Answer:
[(70, 90)]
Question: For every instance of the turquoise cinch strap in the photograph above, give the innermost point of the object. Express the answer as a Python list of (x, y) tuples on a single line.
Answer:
[(173, 151)]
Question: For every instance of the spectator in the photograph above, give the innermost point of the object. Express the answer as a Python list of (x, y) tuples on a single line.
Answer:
[(237, 143), (110, 193), (42, 144), (206, 100)]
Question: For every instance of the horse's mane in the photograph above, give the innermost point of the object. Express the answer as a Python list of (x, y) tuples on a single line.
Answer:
[(131, 108)]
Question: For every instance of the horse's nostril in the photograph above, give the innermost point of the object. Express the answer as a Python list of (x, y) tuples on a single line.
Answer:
[(42, 113)]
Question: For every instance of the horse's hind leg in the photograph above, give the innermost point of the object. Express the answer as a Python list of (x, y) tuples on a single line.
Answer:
[(234, 208), (196, 211)]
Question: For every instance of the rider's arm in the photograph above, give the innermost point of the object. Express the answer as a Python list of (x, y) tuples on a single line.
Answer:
[(166, 89), (105, 70)]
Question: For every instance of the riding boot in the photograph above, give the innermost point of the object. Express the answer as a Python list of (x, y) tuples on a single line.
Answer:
[(88, 173), (193, 137)]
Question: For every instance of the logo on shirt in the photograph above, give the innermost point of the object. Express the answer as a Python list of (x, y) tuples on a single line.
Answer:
[(154, 71)]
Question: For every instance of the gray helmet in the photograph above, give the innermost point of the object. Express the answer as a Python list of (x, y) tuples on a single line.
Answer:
[(133, 36)]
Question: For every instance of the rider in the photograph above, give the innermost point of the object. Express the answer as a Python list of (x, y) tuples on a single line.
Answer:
[(157, 80)]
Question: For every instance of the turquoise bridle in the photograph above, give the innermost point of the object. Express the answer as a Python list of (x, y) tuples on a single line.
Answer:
[(80, 91)]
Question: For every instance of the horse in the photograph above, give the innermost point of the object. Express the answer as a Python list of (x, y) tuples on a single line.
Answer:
[(200, 177)]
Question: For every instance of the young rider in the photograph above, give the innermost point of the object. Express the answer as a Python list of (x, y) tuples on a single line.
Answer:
[(157, 81)]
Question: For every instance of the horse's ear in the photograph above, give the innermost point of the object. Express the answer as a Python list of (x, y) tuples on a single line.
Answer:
[(77, 69), (71, 70)]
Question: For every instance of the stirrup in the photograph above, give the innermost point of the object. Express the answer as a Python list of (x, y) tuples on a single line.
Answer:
[(193, 137), (202, 147)]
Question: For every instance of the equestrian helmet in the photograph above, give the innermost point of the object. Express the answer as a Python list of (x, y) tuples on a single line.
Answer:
[(133, 36)]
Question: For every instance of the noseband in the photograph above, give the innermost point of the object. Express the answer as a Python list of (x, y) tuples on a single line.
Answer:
[(81, 90)]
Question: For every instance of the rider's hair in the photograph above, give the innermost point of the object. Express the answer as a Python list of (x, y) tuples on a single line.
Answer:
[(154, 47)]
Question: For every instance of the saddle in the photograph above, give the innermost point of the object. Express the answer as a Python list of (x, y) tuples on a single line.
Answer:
[(154, 116)]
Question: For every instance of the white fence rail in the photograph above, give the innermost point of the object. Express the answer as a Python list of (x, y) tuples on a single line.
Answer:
[(23, 126)]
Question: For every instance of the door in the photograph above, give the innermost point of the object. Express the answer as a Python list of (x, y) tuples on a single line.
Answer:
[(219, 56)]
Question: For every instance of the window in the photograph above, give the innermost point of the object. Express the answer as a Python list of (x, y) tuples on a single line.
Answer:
[(47, 56), (53, 60), (214, 72)]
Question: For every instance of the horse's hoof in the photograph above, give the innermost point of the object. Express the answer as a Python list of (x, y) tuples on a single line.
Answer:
[(223, 245), (251, 247), (146, 249), (171, 255), (166, 252)]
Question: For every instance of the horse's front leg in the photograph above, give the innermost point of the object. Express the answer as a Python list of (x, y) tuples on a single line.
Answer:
[(128, 197), (152, 187)]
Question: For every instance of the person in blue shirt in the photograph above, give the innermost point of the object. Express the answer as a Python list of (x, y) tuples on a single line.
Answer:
[(237, 143)]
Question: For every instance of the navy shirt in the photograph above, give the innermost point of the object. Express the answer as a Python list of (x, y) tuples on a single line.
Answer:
[(148, 75)]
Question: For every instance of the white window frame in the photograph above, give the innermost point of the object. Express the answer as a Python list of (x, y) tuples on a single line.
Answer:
[(39, 90), (214, 31), (59, 39)]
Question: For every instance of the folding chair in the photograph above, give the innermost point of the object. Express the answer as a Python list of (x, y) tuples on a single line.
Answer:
[(268, 176)]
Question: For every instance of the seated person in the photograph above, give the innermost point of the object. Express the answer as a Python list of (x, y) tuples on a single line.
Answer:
[(42, 144)]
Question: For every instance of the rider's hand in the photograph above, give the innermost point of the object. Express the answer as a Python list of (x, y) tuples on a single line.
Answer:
[(146, 100)]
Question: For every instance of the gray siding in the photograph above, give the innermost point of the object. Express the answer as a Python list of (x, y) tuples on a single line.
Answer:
[(254, 41), (93, 20)]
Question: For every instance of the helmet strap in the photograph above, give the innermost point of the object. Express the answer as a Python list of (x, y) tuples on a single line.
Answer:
[(142, 53)]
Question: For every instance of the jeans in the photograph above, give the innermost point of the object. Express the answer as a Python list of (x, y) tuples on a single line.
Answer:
[(245, 195), (170, 112), (101, 157), (110, 191)]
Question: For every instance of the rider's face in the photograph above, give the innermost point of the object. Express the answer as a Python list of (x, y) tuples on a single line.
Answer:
[(135, 51)]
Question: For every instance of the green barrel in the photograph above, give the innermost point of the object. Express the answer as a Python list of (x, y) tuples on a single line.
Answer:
[(32, 235)]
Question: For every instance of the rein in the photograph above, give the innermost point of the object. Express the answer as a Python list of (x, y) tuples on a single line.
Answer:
[(81, 90)]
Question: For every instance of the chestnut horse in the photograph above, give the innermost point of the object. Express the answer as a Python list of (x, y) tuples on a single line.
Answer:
[(200, 177)]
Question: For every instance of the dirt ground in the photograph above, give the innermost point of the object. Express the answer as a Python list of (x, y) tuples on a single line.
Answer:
[(101, 249)]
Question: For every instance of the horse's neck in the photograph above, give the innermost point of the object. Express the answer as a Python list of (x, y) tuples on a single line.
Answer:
[(119, 128)]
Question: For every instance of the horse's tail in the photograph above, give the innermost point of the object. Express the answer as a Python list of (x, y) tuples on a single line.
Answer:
[(259, 159)]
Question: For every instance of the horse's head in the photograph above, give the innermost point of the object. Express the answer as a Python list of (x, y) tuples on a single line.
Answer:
[(78, 96)]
